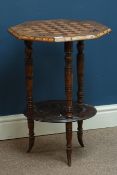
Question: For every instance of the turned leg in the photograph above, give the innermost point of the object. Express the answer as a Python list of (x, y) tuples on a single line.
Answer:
[(80, 73), (80, 133), (29, 101), (31, 134), (69, 142), (68, 90)]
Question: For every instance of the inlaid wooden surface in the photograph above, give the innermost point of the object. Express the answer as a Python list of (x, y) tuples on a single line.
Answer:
[(55, 112), (59, 30)]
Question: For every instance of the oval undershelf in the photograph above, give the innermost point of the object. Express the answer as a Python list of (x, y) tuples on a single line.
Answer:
[(55, 112)]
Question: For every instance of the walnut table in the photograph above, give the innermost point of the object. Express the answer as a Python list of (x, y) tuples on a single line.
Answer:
[(59, 111)]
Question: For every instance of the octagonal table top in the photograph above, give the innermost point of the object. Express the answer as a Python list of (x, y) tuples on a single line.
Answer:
[(59, 30)]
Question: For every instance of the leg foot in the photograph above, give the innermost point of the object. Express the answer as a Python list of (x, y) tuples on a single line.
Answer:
[(69, 142), (69, 157), (80, 133), (31, 134)]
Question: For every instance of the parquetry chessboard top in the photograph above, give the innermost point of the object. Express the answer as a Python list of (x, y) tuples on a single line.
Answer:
[(59, 30)]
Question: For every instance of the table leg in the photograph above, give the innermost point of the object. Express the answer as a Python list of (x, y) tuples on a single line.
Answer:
[(80, 133), (69, 142), (31, 134), (80, 74), (29, 85), (68, 90)]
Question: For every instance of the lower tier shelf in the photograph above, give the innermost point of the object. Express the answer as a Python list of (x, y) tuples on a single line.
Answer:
[(55, 112)]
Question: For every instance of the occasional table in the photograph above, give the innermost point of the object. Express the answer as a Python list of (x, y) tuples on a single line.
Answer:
[(65, 110)]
